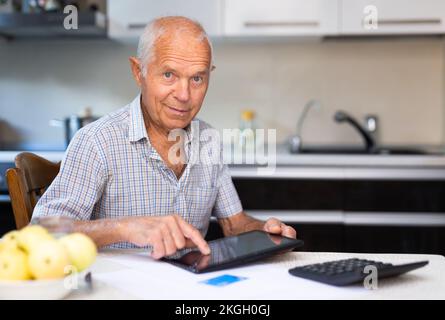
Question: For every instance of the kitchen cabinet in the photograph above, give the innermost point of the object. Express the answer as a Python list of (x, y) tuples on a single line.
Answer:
[(393, 17), (7, 222), (280, 17), (345, 215), (50, 25), (300, 18), (127, 19), (351, 196)]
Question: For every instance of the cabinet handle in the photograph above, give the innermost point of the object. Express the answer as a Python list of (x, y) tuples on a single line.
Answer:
[(136, 25), (389, 22), (267, 24)]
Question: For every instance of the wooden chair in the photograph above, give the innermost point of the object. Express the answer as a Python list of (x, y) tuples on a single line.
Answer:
[(27, 182)]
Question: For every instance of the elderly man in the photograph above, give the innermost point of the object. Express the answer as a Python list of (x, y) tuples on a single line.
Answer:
[(118, 179)]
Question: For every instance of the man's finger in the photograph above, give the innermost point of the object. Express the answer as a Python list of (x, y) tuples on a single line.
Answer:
[(288, 231), (195, 236), (273, 225), (177, 234), (169, 243), (158, 247)]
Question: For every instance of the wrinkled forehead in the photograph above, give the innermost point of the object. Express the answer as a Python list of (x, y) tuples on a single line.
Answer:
[(183, 43)]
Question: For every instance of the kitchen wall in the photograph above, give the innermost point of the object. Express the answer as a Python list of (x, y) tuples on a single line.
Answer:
[(400, 80)]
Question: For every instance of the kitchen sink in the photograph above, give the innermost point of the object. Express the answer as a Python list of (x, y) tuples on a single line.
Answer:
[(363, 151)]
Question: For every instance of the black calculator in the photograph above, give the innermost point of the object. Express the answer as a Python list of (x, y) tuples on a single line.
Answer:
[(351, 271)]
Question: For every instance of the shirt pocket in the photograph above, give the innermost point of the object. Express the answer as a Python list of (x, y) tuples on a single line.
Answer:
[(201, 201)]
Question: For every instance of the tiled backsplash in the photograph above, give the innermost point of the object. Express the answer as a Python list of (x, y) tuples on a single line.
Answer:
[(400, 80)]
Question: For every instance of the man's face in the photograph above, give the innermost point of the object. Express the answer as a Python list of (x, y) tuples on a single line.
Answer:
[(176, 81)]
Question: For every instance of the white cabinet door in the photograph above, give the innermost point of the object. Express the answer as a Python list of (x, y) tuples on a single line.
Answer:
[(280, 17), (127, 18), (392, 17)]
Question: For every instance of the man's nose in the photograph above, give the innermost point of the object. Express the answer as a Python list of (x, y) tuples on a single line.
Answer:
[(182, 91)]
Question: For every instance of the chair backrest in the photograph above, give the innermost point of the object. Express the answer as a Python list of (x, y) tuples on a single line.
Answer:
[(27, 182)]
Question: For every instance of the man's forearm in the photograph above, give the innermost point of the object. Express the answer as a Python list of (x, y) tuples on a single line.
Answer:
[(103, 232), (240, 223)]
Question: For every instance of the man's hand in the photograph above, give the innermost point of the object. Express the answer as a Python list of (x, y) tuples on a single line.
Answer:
[(242, 222), (275, 226), (166, 234)]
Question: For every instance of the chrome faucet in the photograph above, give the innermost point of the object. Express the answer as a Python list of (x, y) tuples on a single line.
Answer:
[(372, 124), (341, 116), (295, 142)]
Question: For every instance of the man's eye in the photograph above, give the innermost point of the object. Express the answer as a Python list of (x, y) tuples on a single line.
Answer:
[(197, 79), (168, 75)]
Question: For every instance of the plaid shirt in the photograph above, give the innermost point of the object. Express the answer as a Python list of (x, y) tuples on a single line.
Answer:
[(110, 170)]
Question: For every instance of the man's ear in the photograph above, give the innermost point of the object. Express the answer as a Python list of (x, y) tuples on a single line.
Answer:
[(213, 67), (136, 70)]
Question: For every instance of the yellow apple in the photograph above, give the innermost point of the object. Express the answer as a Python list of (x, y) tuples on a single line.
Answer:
[(48, 260), (10, 239), (10, 236), (8, 245), (32, 235), (81, 250), (13, 265)]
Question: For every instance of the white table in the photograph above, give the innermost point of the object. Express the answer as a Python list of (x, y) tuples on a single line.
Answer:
[(119, 274)]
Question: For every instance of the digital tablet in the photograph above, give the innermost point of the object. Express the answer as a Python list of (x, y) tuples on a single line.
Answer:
[(234, 251)]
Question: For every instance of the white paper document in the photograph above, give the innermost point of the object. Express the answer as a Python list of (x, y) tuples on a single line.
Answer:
[(146, 278)]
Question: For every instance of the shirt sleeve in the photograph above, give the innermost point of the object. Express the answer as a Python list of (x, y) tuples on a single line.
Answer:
[(227, 201), (79, 184)]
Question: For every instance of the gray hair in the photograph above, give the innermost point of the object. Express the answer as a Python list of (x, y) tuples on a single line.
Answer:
[(154, 30)]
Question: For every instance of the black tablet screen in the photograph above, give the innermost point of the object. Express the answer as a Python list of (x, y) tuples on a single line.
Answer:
[(235, 250)]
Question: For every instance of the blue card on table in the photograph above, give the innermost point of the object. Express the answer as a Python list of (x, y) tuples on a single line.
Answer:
[(223, 280)]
